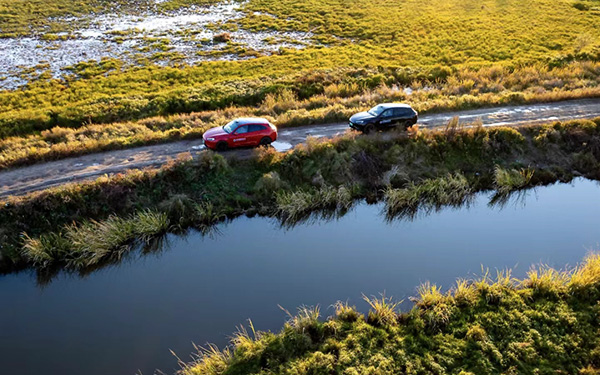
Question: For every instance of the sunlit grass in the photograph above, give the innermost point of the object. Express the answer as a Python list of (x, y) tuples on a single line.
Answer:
[(86, 133), (384, 310), (441, 331)]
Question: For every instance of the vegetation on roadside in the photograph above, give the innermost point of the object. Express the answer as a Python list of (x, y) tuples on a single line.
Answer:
[(546, 323), (406, 170), (443, 55), (303, 99)]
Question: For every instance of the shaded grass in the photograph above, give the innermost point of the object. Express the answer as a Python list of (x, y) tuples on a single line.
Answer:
[(294, 205), (92, 242), (513, 179), (430, 194), (517, 331)]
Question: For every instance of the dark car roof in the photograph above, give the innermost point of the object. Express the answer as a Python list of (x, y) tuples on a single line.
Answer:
[(250, 120), (395, 105)]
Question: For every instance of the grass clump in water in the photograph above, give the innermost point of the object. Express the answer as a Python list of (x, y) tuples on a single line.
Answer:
[(507, 180), (452, 189), (90, 243), (295, 205)]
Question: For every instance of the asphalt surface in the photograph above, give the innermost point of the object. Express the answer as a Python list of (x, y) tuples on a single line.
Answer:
[(23, 180)]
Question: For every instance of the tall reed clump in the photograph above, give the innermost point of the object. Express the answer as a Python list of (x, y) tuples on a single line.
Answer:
[(91, 242), (482, 326), (452, 189), (507, 180), (295, 205)]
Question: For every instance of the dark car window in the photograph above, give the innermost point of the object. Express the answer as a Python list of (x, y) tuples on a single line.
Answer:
[(388, 113), (256, 128), (400, 112), (403, 112), (242, 130)]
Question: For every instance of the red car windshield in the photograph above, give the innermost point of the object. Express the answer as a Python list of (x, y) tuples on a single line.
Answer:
[(229, 128)]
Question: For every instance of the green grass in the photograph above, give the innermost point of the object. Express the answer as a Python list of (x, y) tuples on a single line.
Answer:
[(295, 205), (415, 171), (93, 242), (510, 180), (20, 18), (429, 194), (481, 327)]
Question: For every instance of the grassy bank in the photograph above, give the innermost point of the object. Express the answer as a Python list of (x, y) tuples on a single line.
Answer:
[(335, 96), (408, 170), (546, 323)]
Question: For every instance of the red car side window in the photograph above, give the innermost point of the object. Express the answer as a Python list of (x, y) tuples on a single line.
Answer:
[(242, 130)]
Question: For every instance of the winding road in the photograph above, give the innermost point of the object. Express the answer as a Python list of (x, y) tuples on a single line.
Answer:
[(23, 180)]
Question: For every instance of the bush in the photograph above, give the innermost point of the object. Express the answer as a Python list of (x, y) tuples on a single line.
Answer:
[(210, 161), (269, 185)]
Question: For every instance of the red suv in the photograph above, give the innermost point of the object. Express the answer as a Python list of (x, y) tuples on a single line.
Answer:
[(242, 132)]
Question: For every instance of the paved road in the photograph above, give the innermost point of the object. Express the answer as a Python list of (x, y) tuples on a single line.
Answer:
[(40, 176)]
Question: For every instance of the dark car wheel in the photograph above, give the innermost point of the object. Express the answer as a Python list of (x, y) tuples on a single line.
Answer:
[(369, 129), (408, 124), (265, 141), (222, 146)]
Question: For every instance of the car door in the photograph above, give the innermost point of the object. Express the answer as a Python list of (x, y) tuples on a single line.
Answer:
[(255, 134), (399, 116), (406, 115), (387, 118), (240, 136)]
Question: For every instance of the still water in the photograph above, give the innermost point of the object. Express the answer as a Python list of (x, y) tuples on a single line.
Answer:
[(124, 319)]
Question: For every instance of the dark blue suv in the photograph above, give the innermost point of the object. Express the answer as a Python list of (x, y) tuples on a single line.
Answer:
[(384, 116)]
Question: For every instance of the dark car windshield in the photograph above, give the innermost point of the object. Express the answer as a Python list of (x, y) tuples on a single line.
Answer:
[(376, 111), (229, 128)]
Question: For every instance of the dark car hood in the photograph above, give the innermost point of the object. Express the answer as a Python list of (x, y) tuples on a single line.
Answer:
[(215, 132), (362, 116)]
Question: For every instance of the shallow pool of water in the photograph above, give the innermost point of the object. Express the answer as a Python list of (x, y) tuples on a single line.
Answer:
[(125, 318), (139, 31)]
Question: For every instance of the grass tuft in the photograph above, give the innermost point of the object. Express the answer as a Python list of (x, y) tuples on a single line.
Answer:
[(296, 205), (430, 194), (345, 312), (208, 361), (546, 281), (383, 310), (507, 180)]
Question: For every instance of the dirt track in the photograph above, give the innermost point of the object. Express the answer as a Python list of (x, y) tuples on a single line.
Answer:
[(40, 176)]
